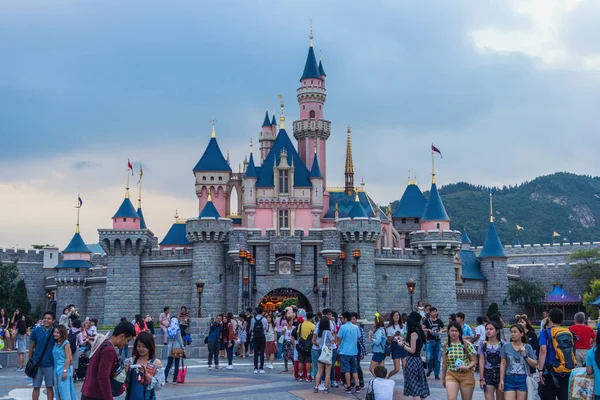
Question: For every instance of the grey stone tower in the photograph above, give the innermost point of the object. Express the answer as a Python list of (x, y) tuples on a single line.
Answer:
[(359, 233), (209, 234), (493, 266)]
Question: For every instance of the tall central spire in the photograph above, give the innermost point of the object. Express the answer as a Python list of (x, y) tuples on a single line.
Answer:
[(282, 118), (349, 167)]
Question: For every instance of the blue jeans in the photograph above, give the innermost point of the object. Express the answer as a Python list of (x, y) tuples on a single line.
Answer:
[(333, 358), (279, 356), (315, 362), (434, 349)]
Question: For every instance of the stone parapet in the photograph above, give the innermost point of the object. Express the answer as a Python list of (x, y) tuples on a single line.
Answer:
[(359, 230), (208, 229), (118, 242)]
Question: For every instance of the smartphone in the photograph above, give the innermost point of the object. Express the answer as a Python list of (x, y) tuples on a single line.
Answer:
[(135, 366)]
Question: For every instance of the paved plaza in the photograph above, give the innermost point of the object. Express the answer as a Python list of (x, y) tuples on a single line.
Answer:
[(223, 384)]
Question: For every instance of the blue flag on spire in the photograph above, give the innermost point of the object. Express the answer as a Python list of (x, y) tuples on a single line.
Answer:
[(79, 201)]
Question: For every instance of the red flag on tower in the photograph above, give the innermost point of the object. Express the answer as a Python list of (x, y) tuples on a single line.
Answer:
[(129, 166), (436, 150)]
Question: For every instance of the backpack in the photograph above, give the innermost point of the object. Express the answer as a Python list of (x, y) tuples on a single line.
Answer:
[(72, 337), (304, 345), (118, 375), (259, 330), (564, 349)]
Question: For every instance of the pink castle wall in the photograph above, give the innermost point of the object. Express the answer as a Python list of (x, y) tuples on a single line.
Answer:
[(327, 224), (263, 219), (432, 225), (202, 199), (76, 256), (129, 223), (303, 219), (220, 201)]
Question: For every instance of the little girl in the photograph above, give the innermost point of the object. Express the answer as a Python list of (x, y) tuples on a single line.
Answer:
[(489, 362)]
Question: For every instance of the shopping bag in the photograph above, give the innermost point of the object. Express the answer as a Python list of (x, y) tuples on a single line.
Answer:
[(182, 372), (580, 386)]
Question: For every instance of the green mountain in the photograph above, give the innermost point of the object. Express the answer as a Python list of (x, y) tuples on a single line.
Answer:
[(565, 203)]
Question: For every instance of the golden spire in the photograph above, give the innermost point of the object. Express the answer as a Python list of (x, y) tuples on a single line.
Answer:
[(311, 33), (336, 207), (140, 187), (362, 183), (282, 118), (78, 206), (209, 198), (212, 121), (349, 163), (491, 208), (356, 199), (250, 145), (413, 180)]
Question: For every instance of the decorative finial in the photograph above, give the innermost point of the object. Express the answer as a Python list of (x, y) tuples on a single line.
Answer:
[(212, 121), (176, 215), (336, 207), (266, 105), (78, 206), (356, 199), (320, 54), (250, 145), (140, 187), (209, 198), (362, 182), (376, 210), (311, 33), (411, 181), (228, 162), (282, 118), (491, 206)]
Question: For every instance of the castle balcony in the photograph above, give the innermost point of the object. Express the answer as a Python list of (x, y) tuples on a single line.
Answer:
[(310, 127), (315, 91)]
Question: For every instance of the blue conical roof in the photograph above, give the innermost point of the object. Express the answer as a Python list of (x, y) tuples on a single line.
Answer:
[(177, 236), (492, 247), (311, 70), (209, 211), (465, 238), (212, 159), (434, 209), (412, 204), (357, 210), (321, 70), (273, 122), (126, 210), (265, 172), (142, 220), (315, 171), (267, 122), (76, 245), (251, 169)]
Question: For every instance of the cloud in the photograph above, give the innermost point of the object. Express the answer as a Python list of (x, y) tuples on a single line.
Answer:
[(82, 164)]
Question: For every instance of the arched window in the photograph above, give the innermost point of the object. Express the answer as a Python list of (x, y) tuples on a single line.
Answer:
[(312, 114), (212, 178), (438, 225)]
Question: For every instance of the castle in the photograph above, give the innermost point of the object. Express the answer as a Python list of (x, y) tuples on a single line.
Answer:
[(287, 235)]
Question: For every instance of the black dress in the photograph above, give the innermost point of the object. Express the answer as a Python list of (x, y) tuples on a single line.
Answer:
[(415, 381)]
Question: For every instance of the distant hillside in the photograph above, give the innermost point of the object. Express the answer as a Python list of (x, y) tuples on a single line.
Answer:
[(565, 203)]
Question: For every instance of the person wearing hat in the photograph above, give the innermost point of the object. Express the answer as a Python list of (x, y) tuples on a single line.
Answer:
[(415, 381)]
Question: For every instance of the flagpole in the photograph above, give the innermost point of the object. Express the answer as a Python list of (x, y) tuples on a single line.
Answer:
[(127, 185), (432, 165), (78, 207), (140, 188), (491, 207)]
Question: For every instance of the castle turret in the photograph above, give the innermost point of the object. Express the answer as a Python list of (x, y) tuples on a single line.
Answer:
[(212, 174), (358, 235), (209, 233), (493, 266), (465, 241), (317, 191), (267, 136), (407, 216), (311, 127), (176, 237), (249, 189)]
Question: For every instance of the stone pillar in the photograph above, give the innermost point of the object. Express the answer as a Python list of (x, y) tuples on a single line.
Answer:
[(361, 234), (209, 237), (438, 275), (495, 270), (124, 249)]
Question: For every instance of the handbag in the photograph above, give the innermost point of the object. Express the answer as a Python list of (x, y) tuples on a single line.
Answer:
[(370, 393), (325, 356), (532, 389), (177, 353), (281, 339), (182, 373), (32, 366)]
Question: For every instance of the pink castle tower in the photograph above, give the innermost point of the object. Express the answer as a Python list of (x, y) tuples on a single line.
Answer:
[(311, 126), (126, 216), (267, 136)]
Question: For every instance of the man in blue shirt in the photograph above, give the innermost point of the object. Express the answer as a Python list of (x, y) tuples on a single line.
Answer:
[(348, 350), (553, 385), (37, 342), (467, 332)]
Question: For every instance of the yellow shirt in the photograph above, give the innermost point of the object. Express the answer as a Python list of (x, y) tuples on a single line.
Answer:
[(306, 329)]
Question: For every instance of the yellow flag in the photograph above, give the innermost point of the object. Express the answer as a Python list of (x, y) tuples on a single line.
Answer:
[(555, 234), (519, 228)]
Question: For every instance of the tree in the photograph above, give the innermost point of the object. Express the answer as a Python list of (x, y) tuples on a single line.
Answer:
[(588, 263), (492, 310), (8, 275), (292, 301), (20, 299), (590, 296), (526, 293)]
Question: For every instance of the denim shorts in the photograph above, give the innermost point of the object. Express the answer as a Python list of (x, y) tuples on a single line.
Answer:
[(398, 351), (513, 383), (46, 374), (348, 364), (378, 357)]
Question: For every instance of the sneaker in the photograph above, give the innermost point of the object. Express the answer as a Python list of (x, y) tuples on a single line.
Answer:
[(348, 390), (357, 390), (270, 366), (229, 367), (334, 385), (255, 371), (209, 367), (216, 367), (262, 371), (437, 378), (174, 383), (429, 373), (316, 390), (20, 369), (322, 386), (326, 390)]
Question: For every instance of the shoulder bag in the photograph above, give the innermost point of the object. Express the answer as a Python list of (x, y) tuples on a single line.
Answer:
[(326, 352), (370, 393), (32, 366)]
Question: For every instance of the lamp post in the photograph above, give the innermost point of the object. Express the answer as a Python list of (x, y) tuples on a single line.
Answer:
[(325, 283), (243, 254), (199, 289), (252, 263), (410, 285), (329, 263), (342, 265), (356, 255)]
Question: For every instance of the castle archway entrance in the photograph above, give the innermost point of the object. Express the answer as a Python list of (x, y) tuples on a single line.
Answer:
[(273, 300)]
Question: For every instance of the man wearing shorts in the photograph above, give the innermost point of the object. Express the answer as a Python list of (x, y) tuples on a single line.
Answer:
[(37, 343), (347, 339)]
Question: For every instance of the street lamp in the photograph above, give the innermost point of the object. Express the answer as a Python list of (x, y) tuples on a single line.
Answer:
[(325, 282), (411, 290), (342, 265), (200, 288), (243, 254), (356, 255)]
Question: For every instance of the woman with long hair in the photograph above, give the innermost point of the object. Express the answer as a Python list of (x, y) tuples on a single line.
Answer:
[(592, 362), (228, 338), (63, 370), (140, 324), (288, 347), (174, 349), (415, 381), (395, 331), (517, 357), (378, 343), (271, 344), (324, 338), (489, 362), (184, 319), (144, 370), (532, 338), (5, 328), (242, 335), (458, 360)]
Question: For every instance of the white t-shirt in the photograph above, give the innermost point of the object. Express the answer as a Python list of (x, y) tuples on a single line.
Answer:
[(287, 332), (383, 388), (480, 330), (333, 328), (392, 329), (270, 333)]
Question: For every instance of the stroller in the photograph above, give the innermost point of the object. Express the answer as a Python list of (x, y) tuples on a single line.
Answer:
[(84, 361)]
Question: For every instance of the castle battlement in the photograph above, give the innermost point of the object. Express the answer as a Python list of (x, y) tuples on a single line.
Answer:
[(13, 251)]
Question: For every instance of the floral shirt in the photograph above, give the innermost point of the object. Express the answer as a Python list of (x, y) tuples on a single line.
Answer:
[(456, 355)]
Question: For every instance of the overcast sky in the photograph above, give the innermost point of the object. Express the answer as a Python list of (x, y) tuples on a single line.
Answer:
[(506, 90)]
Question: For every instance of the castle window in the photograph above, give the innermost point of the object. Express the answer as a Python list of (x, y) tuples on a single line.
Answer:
[(212, 178), (438, 225), (51, 256), (304, 107), (284, 219), (416, 220), (220, 178), (319, 107), (312, 114), (76, 269), (284, 181), (311, 82), (204, 178), (403, 220), (124, 219)]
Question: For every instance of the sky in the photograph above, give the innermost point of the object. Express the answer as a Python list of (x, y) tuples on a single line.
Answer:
[(507, 90)]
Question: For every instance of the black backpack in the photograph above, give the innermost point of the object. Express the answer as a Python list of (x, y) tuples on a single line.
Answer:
[(259, 329), (304, 345), (72, 337)]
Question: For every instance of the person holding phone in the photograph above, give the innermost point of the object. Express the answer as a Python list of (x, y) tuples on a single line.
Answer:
[(144, 370)]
